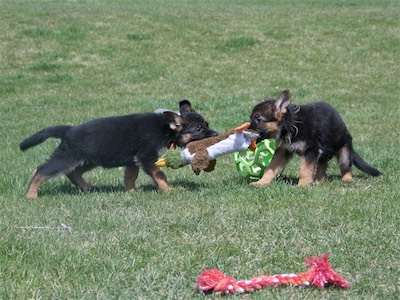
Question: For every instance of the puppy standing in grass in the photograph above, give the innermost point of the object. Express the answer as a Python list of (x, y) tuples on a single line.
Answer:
[(123, 141), (314, 131)]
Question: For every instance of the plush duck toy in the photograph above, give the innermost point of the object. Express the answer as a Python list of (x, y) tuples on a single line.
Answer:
[(202, 154)]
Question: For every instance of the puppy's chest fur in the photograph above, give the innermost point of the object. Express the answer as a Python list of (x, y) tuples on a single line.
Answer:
[(298, 147), (292, 129)]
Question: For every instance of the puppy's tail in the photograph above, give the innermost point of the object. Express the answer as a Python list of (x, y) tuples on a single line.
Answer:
[(364, 166), (39, 137)]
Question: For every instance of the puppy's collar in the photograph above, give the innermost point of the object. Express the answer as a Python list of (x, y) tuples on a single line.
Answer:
[(163, 110)]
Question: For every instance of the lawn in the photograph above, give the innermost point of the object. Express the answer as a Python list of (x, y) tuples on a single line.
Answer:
[(66, 62)]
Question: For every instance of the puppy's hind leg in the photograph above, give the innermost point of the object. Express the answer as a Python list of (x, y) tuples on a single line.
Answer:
[(34, 185), (345, 162), (76, 178), (59, 163), (130, 176)]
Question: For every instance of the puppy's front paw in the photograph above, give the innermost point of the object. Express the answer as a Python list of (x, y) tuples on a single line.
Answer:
[(166, 188), (258, 184), (93, 189), (305, 183)]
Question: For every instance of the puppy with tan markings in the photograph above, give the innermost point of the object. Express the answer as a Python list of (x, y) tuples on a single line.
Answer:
[(130, 141), (314, 131)]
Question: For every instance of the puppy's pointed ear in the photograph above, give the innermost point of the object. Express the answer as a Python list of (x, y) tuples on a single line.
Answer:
[(174, 121), (282, 103), (185, 106)]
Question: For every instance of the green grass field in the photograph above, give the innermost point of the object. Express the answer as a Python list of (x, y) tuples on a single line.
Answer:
[(66, 62)]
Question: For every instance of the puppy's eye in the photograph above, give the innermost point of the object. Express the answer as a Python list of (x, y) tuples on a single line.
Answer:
[(199, 127)]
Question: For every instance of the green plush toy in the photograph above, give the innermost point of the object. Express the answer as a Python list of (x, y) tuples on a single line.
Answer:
[(172, 158)]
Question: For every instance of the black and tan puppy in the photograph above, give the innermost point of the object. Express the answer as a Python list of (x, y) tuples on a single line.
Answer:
[(123, 141), (314, 131)]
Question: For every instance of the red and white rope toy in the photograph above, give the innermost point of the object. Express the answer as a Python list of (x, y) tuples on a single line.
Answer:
[(320, 275)]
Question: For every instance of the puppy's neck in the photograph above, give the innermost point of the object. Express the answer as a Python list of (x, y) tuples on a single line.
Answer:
[(289, 129)]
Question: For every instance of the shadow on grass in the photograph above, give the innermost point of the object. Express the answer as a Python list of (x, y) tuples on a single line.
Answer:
[(289, 180), (294, 181), (69, 189)]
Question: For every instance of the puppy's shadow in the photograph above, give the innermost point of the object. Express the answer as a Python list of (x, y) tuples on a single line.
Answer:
[(294, 181), (289, 180), (69, 189)]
